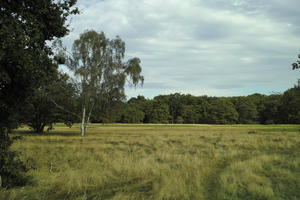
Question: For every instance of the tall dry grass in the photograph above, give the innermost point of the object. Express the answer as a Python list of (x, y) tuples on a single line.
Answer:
[(162, 162)]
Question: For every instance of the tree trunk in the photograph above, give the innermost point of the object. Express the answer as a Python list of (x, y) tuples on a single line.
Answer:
[(39, 128), (83, 123)]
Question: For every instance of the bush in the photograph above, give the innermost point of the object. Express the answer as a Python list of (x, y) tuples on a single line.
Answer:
[(12, 169)]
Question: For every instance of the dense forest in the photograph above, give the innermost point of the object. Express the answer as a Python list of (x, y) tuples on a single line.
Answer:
[(184, 108)]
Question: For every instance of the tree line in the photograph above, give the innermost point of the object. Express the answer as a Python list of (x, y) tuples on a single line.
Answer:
[(166, 109), (180, 108)]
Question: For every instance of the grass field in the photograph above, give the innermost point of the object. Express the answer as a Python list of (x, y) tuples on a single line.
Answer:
[(178, 162)]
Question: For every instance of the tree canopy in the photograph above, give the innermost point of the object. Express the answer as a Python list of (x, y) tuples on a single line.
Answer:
[(49, 102), (24, 55)]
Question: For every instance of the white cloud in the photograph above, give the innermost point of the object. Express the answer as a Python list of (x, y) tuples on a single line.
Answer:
[(222, 47)]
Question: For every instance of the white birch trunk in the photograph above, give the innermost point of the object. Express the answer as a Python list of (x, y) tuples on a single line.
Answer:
[(83, 123)]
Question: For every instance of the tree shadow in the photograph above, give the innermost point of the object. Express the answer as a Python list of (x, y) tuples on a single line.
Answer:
[(46, 133)]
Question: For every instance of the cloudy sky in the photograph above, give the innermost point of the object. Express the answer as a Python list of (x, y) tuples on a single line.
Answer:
[(201, 47)]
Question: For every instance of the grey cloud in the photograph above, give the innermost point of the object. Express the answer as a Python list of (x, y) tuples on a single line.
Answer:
[(221, 47), (212, 31), (156, 85), (228, 86)]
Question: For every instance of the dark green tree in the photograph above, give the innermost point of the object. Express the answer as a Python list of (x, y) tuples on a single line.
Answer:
[(175, 103), (289, 110), (189, 114), (131, 114), (269, 114), (25, 26), (258, 100), (100, 71), (246, 110), (49, 104), (222, 111), (159, 113), (12, 169), (143, 104), (202, 109)]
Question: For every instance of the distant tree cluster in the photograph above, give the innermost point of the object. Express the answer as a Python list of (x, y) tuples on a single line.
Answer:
[(179, 108)]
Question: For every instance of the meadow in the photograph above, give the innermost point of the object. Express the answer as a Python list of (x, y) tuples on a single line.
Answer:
[(161, 162)]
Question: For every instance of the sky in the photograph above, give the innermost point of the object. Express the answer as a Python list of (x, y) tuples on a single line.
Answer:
[(201, 47)]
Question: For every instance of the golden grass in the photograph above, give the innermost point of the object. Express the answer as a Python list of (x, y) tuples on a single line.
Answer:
[(162, 162)]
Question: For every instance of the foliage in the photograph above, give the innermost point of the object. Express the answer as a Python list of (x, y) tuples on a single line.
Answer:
[(48, 104), (175, 103), (12, 169), (25, 61), (24, 55), (222, 111), (246, 110), (202, 108), (296, 65), (269, 114), (159, 113), (143, 104), (179, 120), (255, 108), (289, 109), (189, 114), (131, 114)]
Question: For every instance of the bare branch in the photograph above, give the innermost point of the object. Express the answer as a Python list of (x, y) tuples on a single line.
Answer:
[(62, 108)]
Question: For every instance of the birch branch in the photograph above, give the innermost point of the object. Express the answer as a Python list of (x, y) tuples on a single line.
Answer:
[(62, 108), (88, 119)]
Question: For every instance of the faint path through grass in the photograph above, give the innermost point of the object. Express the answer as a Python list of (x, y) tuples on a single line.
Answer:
[(213, 183)]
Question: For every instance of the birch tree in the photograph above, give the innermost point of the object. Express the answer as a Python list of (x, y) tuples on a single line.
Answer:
[(100, 71)]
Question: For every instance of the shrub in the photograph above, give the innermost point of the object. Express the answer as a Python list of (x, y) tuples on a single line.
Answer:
[(12, 169)]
